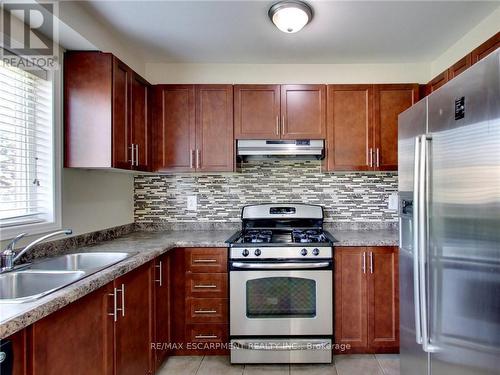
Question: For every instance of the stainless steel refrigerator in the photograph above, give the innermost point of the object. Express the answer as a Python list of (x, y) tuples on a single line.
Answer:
[(449, 205)]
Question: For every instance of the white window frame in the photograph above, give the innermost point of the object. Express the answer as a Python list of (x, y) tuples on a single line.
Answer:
[(56, 224)]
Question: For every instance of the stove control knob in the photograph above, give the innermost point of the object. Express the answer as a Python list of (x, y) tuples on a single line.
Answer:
[(245, 253), (303, 252), (257, 252), (315, 251)]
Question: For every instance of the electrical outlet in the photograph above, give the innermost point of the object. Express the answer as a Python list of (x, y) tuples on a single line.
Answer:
[(192, 203), (393, 202)]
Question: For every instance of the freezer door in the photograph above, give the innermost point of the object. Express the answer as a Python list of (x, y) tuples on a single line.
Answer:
[(412, 124), (464, 222)]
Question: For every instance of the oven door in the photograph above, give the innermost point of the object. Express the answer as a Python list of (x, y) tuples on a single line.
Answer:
[(281, 302)]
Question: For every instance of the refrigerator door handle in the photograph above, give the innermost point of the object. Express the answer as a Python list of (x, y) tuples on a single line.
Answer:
[(416, 278), (423, 239)]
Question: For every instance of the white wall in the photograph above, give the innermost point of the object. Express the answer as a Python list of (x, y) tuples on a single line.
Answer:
[(474, 38), (286, 73)]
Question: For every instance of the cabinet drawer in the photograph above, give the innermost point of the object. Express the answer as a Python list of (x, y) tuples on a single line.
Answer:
[(216, 333), (206, 310), (206, 285), (201, 260)]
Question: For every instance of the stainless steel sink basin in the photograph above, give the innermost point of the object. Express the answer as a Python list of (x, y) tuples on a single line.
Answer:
[(80, 261), (25, 286)]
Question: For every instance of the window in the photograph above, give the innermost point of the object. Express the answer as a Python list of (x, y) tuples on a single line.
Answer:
[(27, 152)]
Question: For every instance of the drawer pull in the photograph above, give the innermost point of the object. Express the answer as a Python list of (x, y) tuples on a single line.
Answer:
[(205, 311), (205, 261), (205, 286), (206, 337)]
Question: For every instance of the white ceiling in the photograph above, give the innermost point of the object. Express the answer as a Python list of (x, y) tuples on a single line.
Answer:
[(340, 32)]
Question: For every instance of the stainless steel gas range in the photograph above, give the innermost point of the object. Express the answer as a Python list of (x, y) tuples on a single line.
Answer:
[(281, 287)]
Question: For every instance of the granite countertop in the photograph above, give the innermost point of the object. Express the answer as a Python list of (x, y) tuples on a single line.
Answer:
[(147, 246)]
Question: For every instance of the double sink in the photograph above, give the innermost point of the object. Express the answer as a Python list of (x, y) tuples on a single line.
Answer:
[(46, 276)]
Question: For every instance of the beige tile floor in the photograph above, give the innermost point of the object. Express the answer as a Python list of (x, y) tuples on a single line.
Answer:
[(366, 364)]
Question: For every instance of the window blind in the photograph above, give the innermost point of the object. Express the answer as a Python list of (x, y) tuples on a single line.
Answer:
[(26, 148)]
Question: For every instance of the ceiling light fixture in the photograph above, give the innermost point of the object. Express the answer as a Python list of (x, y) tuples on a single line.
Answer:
[(290, 16)]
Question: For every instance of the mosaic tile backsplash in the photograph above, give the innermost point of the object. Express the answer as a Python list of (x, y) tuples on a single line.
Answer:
[(347, 197)]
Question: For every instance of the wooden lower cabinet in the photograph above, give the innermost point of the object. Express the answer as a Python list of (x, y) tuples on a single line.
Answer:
[(14, 357), (77, 339), (162, 309), (366, 299), (134, 325)]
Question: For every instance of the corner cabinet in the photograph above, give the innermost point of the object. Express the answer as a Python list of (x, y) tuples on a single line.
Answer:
[(367, 299), (280, 111), (106, 116), (363, 125), (193, 128)]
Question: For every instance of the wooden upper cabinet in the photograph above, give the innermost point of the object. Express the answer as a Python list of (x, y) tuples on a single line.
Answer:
[(460, 66), (389, 102), (122, 135), (193, 128), (140, 122), (174, 128), (383, 298), (486, 48), (437, 82), (134, 326), (350, 133), (214, 128), (303, 111), (78, 339), (351, 297), (257, 112), (105, 113)]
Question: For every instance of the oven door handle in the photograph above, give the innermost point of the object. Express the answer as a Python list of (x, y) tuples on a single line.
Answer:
[(280, 266), (281, 347)]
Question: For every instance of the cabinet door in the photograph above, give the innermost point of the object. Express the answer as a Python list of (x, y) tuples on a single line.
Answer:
[(383, 299), (303, 111), (257, 111), (437, 82), (122, 151), (214, 128), (140, 122), (460, 66), (389, 102), (133, 329), (162, 308), (77, 339), (350, 133), (350, 297), (174, 128), (486, 48)]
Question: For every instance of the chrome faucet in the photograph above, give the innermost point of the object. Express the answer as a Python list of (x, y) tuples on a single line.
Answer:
[(9, 257)]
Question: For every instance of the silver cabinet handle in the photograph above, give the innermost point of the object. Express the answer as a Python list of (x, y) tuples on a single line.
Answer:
[(371, 262), (160, 280), (132, 151), (191, 152), (205, 286), (378, 157), (137, 155), (370, 157), (416, 231), (198, 157), (122, 291), (277, 125), (282, 266), (205, 261), (283, 125), (206, 336), (205, 311), (363, 263), (114, 314)]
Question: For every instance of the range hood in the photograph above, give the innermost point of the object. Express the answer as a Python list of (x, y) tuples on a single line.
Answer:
[(292, 148)]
